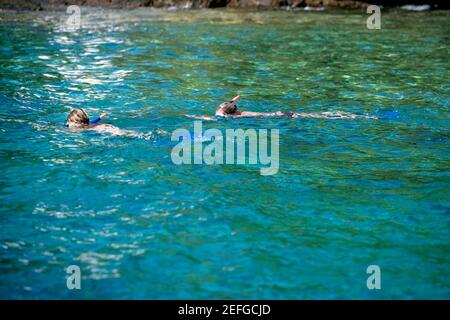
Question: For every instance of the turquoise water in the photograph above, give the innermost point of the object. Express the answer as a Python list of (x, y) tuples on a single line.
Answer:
[(350, 192)]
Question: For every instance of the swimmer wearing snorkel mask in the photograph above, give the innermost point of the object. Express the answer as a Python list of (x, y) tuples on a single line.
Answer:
[(79, 120), (229, 109)]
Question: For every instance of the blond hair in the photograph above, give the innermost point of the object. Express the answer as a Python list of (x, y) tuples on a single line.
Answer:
[(77, 118)]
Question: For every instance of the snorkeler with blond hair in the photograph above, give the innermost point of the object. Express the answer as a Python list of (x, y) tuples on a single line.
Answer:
[(229, 109), (79, 120)]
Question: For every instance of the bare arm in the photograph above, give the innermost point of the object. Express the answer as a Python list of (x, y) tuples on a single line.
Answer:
[(201, 117), (250, 114), (332, 115)]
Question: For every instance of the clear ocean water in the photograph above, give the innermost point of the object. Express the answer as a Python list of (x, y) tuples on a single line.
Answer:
[(350, 192)]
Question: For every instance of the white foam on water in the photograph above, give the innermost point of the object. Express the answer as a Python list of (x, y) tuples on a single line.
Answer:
[(412, 7)]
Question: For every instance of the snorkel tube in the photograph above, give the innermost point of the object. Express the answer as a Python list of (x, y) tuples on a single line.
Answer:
[(103, 115), (235, 99), (96, 120)]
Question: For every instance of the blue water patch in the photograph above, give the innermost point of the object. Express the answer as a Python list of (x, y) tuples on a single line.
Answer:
[(349, 192)]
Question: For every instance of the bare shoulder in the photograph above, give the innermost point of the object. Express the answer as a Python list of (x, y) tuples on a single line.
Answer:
[(102, 126), (109, 128)]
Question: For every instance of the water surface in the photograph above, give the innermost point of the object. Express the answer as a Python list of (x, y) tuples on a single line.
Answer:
[(349, 193)]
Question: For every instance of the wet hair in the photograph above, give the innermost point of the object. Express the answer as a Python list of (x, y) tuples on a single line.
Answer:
[(77, 117), (228, 107)]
